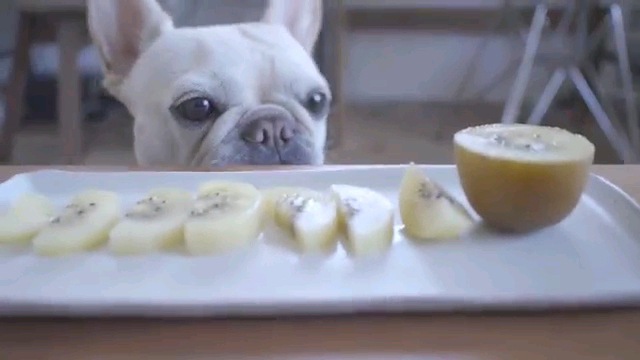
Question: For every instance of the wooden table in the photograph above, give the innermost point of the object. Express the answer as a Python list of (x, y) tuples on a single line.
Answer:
[(577, 335)]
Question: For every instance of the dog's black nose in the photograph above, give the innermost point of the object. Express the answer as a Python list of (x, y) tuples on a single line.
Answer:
[(270, 131)]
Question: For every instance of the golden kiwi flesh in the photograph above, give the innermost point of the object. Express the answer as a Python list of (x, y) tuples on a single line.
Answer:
[(522, 178)]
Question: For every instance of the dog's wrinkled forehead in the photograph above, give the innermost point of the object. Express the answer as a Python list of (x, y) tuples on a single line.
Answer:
[(257, 56)]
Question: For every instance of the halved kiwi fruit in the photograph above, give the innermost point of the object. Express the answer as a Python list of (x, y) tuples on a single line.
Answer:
[(522, 178)]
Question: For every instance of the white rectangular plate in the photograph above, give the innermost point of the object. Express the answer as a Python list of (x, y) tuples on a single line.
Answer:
[(591, 259)]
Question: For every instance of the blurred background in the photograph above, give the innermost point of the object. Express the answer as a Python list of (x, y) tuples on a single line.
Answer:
[(406, 74)]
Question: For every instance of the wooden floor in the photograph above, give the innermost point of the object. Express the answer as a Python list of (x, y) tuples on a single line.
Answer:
[(373, 134)]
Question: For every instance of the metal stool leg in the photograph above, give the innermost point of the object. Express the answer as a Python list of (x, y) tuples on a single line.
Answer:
[(547, 97), (469, 73), (563, 27), (590, 72), (620, 38), (514, 102), (495, 81), (618, 141)]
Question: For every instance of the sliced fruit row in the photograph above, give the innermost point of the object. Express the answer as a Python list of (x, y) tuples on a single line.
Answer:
[(224, 216)]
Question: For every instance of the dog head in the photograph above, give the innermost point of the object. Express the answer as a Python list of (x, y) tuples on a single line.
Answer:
[(239, 94)]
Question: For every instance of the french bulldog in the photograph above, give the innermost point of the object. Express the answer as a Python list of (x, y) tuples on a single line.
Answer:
[(220, 95)]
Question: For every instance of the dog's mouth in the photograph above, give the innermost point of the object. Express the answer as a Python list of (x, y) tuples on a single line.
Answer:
[(225, 163), (236, 153)]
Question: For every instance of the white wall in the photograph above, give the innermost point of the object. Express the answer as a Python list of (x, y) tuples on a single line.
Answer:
[(425, 66)]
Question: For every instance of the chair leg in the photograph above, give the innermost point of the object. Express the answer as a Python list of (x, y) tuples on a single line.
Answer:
[(339, 32), (70, 40), (17, 85)]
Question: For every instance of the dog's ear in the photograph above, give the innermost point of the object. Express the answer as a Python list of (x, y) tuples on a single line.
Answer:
[(122, 30), (303, 19)]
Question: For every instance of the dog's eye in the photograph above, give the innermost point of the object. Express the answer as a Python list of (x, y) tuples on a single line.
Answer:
[(316, 102), (196, 109)]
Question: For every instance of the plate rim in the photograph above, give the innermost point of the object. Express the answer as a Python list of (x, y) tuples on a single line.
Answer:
[(459, 304)]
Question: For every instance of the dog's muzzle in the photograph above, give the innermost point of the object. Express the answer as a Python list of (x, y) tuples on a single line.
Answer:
[(269, 128), (269, 135)]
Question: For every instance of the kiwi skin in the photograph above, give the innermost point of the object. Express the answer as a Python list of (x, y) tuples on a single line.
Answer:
[(521, 197)]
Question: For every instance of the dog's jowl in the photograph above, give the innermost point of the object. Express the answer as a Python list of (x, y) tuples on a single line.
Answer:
[(222, 95)]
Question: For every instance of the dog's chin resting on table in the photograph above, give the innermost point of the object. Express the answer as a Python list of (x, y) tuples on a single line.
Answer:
[(223, 95)]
